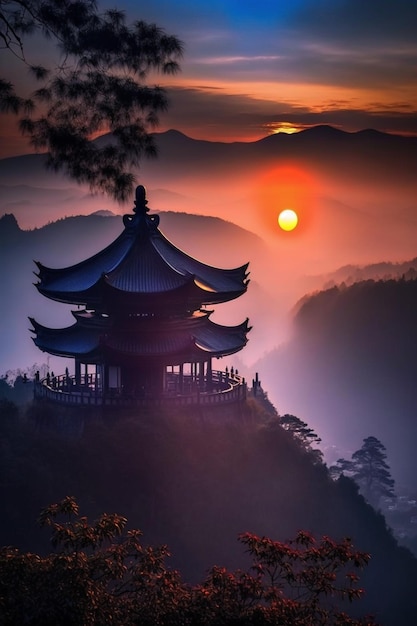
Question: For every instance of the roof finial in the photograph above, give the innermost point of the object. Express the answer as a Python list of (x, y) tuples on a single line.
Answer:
[(141, 201)]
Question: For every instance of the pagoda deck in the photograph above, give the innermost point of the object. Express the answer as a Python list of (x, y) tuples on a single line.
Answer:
[(224, 389)]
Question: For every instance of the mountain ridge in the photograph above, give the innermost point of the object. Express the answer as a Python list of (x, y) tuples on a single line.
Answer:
[(316, 137), (205, 177)]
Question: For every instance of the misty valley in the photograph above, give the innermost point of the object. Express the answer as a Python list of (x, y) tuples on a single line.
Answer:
[(332, 307)]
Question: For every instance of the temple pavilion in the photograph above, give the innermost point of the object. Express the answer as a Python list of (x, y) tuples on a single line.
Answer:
[(142, 332)]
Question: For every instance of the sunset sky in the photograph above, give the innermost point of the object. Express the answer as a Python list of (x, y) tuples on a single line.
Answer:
[(253, 68)]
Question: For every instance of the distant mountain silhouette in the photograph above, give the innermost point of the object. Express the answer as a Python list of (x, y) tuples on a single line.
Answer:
[(363, 153), (104, 213)]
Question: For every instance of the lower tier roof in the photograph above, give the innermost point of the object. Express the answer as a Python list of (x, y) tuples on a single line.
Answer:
[(172, 341)]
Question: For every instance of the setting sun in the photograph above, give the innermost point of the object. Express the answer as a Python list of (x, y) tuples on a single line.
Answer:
[(288, 219), (286, 186)]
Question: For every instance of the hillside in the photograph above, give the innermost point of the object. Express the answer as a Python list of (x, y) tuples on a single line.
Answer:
[(195, 484), (350, 274), (349, 369)]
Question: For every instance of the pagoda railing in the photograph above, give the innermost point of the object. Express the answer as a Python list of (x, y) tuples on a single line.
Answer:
[(222, 388)]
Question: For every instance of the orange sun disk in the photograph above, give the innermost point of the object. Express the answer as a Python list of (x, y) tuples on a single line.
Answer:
[(288, 220)]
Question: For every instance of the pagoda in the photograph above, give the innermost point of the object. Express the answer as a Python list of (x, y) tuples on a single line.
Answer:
[(142, 332)]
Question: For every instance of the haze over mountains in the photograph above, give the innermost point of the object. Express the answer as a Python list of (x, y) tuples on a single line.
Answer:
[(325, 173), (349, 369), (356, 196)]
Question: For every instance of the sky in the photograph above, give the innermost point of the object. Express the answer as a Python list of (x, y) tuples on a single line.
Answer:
[(252, 68)]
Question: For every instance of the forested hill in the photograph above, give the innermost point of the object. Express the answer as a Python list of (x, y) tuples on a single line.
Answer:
[(350, 369), (194, 484), (350, 274)]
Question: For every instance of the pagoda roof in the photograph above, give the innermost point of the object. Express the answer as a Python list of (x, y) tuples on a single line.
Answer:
[(172, 340), (140, 267)]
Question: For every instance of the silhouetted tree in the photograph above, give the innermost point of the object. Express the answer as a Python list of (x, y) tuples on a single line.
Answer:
[(16, 385), (342, 467), (369, 470), (99, 574), (303, 433), (97, 86)]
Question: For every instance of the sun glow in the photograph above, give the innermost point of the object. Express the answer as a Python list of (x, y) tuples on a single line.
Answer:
[(288, 219), (286, 187), (282, 127)]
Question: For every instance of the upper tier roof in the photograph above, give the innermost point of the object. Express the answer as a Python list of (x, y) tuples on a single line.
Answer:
[(138, 269)]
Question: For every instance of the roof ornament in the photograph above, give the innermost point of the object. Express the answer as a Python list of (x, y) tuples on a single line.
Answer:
[(141, 201), (140, 210)]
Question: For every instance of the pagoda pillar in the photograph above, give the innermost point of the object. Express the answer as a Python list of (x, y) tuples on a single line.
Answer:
[(77, 373), (105, 377), (201, 375), (97, 378), (181, 381), (163, 378), (209, 375)]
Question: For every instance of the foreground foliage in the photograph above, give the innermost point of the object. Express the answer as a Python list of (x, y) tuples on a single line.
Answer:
[(102, 574), (97, 85)]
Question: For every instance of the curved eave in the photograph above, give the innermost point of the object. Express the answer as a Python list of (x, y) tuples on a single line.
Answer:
[(72, 342), (82, 276), (220, 340), (187, 289), (208, 298), (219, 280), (88, 297), (105, 295)]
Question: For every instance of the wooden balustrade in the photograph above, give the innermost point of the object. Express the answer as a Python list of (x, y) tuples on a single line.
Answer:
[(63, 389)]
